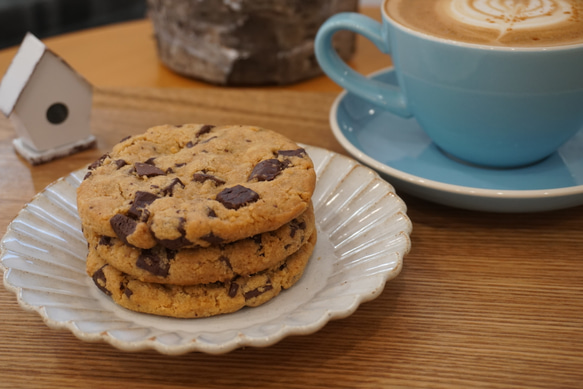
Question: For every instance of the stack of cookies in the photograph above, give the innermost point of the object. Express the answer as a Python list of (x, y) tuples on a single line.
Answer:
[(198, 220)]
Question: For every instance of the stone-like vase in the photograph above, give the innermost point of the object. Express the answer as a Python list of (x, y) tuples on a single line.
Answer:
[(245, 42)]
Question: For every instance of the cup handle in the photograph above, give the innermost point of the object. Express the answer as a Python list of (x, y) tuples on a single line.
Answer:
[(389, 97)]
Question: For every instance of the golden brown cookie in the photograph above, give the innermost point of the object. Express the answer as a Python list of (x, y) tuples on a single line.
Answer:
[(196, 185), (199, 300), (205, 265)]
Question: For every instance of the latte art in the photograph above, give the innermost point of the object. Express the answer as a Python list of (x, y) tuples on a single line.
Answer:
[(505, 16), (494, 22)]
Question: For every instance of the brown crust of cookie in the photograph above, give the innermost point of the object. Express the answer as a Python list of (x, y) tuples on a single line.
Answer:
[(199, 300), (196, 185), (217, 263)]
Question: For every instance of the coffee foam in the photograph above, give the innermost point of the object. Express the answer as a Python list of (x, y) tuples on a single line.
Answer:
[(496, 22), (505, 16)]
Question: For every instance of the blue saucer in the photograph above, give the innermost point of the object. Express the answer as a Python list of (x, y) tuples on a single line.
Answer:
[(400, 150)]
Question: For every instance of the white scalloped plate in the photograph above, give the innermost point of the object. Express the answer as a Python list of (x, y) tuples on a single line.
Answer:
[(363, 236)]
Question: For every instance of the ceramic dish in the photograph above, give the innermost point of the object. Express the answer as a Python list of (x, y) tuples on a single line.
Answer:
[(399, 149), (363, 235)]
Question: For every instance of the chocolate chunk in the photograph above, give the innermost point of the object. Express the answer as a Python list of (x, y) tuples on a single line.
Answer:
[(204, 130), (127, 291), (120, 163), (202, 177), (141, 201), (123, 226), (190, 144), (212, 238), (292, 153), (233, 289), (145, 215), (259, 291), (294, 225), (105, 241), (170, 254), (226, 261), (175, 244), (180, 164), (98, 162), (236, 197), (151, 262), (211, 212), (178, 243), (266, 170), (126, 138), (145, 169), (169, 189), (87, 176), (258, 241), (207, 140), (100, 280), (150, 161)]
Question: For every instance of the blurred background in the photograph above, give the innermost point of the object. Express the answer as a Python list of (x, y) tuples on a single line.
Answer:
[(53, 17), (46, 18)]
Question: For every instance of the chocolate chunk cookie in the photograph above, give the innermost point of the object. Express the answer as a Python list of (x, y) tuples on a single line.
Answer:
[(200, 300), (204, 265), (195, 186)]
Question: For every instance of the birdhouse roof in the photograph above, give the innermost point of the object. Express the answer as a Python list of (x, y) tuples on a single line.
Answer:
[(23, 66)]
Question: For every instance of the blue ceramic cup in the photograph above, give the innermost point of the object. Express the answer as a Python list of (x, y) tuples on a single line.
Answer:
[(488, 105)]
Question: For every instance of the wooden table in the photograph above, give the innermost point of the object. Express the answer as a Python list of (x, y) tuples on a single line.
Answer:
[(483, 301)]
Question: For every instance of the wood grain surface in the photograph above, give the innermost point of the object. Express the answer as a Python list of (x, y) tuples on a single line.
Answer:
[(484, 300)]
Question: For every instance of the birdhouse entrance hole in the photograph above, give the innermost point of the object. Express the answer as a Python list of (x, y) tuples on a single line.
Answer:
[(57, 113)]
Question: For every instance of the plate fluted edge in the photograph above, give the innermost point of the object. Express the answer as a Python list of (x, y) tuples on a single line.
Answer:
[(363, 235)]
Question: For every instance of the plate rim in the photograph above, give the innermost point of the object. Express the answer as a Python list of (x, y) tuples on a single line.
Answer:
[(331, 313)]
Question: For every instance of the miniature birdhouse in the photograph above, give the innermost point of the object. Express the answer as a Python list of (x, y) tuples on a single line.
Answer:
[(48, 103)]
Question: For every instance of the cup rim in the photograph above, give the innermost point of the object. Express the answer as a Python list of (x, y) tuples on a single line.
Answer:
[(476, 46)]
